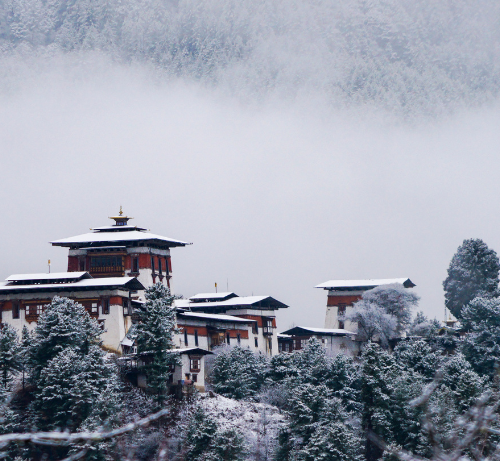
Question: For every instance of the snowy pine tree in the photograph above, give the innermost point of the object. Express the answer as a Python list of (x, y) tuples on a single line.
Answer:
[(473, 272), (10, 355), (155, 339), (237, 373), (64, 324), (481, 346)]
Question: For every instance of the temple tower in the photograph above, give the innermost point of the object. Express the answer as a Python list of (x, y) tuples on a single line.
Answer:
[(121, 250)]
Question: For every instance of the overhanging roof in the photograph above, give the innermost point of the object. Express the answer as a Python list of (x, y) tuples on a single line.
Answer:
[(351, 285), (130, 283), (305, 331), (96, 239), (53, 277), (216, 317), (239, 302), (210, 297)]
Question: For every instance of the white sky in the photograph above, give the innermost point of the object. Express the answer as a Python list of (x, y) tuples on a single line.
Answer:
[(276, 198)]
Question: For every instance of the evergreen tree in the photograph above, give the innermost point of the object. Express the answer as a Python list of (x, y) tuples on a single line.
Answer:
[(200, 433), (473, 272), (481, 346), (237, 373), (68, 388), (227, 445), (155, 338), (423, 326), (25, 347), (417, 355), (379, 371), (64, 324), (10, 357)]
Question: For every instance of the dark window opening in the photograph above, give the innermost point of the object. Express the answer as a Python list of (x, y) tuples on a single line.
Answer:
[(196, 338), (160, 271), (185, 337), (238, 338), (256, 342), (341, 324), (195, 378), (82, 265), (195, 364), (15, 310), (228, 338), (167, 266), (255, 328), (106, 263), (341, 309), (105, 306), (153, 264), (135, 264)]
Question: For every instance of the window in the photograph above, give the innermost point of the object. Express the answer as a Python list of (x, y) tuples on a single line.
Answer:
[(101, 324), (270, 342), (135, 264), (106, 263), (341, 324), (187, 376), (15, 310), (341, 309), (160, 271), (238, 338), (105, 306), (39, 309), (94, 308), (256, 342), (196, 338), (255, 328), (167, 266), (153, 264), (82, 265), (280, 347), (195, 378), (127, 306), (185, 337), (228, 338), (195, 364)]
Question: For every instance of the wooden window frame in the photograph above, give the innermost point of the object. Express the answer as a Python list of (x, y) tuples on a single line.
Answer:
[(195, 364)]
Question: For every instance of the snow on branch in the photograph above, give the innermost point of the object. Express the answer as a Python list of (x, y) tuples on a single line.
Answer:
[(67, 438)]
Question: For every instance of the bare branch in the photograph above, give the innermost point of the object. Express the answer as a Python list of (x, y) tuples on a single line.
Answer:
[(67, 438)]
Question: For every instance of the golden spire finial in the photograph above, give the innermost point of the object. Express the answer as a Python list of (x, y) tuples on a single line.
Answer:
[(121, 211)]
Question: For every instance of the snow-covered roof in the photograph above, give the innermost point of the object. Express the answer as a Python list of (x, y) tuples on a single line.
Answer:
[(242, 301), (254, 302), (127, 342), (221, 317), (363, 284), (191, 350), (52, 276), (128, 282), (133, 235), (297, 331), (213, 296)]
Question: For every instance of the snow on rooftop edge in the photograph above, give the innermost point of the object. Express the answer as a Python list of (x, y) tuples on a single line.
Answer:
[(361, 283), (48, 276)]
